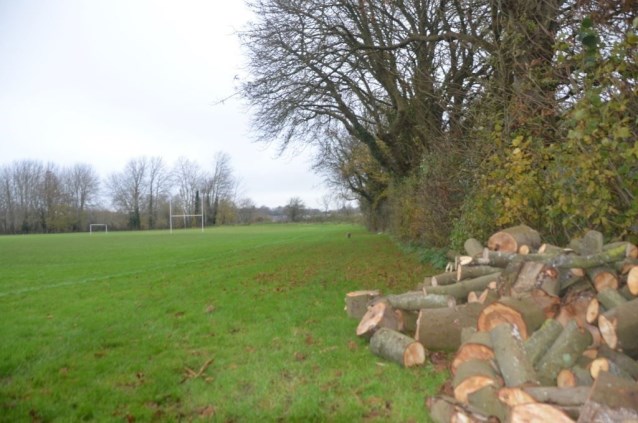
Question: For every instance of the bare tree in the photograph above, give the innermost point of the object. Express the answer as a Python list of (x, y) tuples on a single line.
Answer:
[(158, 179), (81, 185), (128, 188), (220, 185), (187, 176), (295, 209)]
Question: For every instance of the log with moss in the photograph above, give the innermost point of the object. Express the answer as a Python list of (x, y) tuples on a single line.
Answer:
[(563, 353)]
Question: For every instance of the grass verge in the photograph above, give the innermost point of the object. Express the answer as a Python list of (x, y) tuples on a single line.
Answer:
[(235, 324)]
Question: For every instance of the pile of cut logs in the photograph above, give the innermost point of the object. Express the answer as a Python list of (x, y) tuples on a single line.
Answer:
[(536, 332)]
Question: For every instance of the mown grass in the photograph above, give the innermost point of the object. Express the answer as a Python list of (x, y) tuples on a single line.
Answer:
[(235, 324)]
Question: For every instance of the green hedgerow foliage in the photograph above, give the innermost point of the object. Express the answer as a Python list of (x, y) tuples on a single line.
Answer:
[(584, 178)]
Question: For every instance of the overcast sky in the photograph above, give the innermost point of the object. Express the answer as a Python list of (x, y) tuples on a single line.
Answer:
[(101, 82)]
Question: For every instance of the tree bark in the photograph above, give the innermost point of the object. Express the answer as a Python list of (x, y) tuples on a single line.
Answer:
[(513, 238), (486, 399), (477, 347), (619, 327), (357, 302), (523, 313), (510, 355), (379, 315), (591, 243), (623, 361), (539, 412), (397, 347), (473, 247), (559, 396), (440, 328), (603, 277), (542, 339), (472, 376), (417, 300), (470, 272), (563, 353), (610, 298), (612, 399), (460, 290)]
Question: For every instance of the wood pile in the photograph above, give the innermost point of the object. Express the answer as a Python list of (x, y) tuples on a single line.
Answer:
[(536, 332)]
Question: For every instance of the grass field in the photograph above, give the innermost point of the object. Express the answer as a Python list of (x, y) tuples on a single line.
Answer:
[(233, 324)]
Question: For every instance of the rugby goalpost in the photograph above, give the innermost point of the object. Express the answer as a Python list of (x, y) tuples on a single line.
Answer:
[(102, 225), (184, 216)]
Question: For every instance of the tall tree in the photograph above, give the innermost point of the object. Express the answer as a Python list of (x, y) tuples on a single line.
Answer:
[(219, 185), (82, 185), (128, 188), (187, 176), (158, 179)]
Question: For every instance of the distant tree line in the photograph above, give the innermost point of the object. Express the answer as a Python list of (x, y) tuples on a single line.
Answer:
[(449, 119), (46, 198)]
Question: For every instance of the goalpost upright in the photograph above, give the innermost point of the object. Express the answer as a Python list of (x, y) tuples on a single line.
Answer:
[(184, 216)]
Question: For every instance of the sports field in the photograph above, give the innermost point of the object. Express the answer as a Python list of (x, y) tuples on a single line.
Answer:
[(233, 324)]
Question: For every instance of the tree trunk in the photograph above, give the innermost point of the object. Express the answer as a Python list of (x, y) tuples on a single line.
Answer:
[(619, 327), (610, 298), (603, 277), (477, 347), (397, 347), (612, 399), (512, 239), (417, 300), (470, 272), (472, 376), (460, 290), (379, 315), (486, 399), (473, 247), (523, 313), (540, 341), (591, 243), (440, 328), (623, 361), (559, 396), (357, 302), (563, 353), (538, 412), (510, 356)]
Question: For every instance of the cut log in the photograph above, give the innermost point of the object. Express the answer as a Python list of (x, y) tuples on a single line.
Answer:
[(591, 243), (526, 279), (357, 302), (379, 315), (473, 247), (563, 261), (486, 399), (619, 327), (602, 364), (593, 311), (460, 290), (416, 300), (612, 399), (563, 353), (539, 412), (626, 363), (559, 396), (632, 281), (632, 250), (566, 379), (610, 298), (406, 321), (603, 277), (510, 356), (515, 396), (513, 238), (471, 272), (472, 376), (478, 346), (439, 329), (397, 347), (523, 313), (542, 339)]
